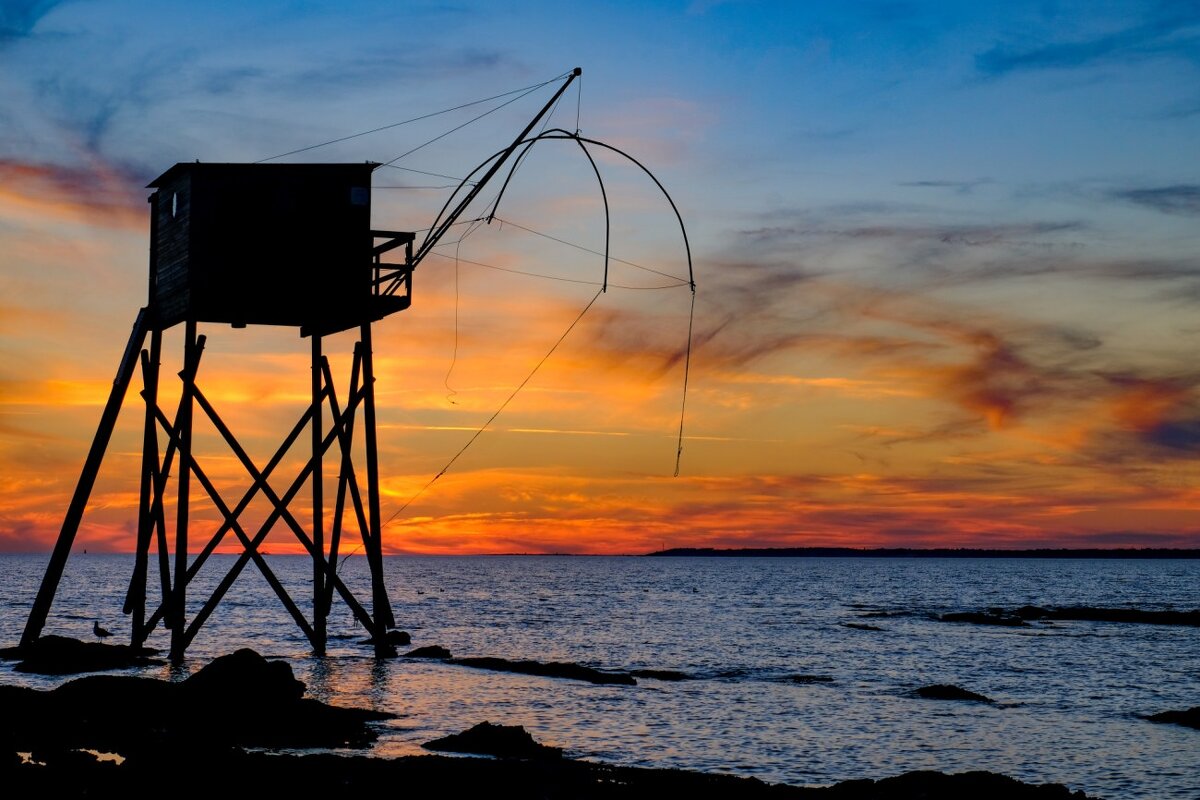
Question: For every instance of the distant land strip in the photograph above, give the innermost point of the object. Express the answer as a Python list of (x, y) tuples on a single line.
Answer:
[(935, 552)]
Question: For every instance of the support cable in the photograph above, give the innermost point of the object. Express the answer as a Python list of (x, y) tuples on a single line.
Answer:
[(443, 135), (581, 281), (525, 90)]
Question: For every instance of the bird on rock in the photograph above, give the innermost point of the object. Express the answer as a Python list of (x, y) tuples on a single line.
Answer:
[(101, 633)]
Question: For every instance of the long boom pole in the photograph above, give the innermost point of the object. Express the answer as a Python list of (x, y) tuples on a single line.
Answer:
[(440, 229)]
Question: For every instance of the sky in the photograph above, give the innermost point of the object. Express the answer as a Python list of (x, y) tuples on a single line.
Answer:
[(947, 266)]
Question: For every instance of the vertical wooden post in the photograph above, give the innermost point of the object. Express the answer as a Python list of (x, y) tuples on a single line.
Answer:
[(184, 432), (135, 600), (381, 607), (318, 506)]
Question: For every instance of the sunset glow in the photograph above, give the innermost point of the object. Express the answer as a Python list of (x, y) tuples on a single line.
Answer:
[(948, 269)]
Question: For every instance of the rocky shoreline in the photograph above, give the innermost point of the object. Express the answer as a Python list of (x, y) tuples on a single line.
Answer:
[(105, 735)]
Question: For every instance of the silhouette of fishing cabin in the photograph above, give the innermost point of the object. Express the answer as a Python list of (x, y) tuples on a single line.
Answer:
[(254, 244), (267, 244), (286, 245)]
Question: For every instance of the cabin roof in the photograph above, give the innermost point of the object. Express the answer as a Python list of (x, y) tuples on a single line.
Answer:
[(222, 166)]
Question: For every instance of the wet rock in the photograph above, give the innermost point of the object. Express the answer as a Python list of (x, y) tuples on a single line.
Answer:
[(1024, 614), (661, 674), (507, 741), (237, 700), (928, 785), (242, 678), (549, 669), (317, 775), (1094, 614), (431, 651), (805, 679), (861, 626), (61, 655), (1189, 717), (393, 638), (991, 617), (947, 691)]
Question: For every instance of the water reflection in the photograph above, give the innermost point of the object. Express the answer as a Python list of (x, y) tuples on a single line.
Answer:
[(742, 626)]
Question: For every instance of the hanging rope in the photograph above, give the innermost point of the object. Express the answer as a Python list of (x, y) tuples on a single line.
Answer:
[(687, 366), (492, 418)]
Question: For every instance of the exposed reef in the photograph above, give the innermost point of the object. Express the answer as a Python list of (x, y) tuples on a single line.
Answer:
[(60, 655), (661, 674), (947, 691), (1019, 617), (507, 741), (805, 679), (548, 669), (429, 651), (545, 669), (65, 774), (115, 735), (241, 699), (1189, 718)]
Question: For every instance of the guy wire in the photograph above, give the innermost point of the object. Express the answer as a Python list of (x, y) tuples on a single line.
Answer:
[(492, 418)]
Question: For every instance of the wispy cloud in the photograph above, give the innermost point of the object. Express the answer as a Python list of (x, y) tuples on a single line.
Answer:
[(1171, 34), (1181, 198), (94, 190), (960, 187)]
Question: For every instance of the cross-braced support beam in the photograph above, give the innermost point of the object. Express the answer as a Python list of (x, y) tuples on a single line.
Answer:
[(330, 424)]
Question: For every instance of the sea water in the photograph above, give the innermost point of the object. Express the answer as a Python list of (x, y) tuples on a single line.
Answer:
[(1070, 696)]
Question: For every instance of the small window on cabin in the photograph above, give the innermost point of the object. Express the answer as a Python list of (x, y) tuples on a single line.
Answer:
[(174, 205), (360, 196)]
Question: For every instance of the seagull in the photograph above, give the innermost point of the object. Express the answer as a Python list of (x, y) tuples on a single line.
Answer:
[(101, 633)]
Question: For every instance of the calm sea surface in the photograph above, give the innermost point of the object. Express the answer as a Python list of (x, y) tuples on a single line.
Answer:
[(1069, 694)]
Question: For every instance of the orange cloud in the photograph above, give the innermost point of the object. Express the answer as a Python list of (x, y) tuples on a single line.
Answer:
[(94, 193)]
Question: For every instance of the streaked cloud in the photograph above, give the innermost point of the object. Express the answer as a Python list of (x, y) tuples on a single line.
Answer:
[(1183, 199), (1169, 33)]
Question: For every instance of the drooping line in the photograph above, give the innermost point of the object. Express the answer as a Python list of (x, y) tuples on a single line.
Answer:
[(581, 281), (687, 366), (492, 418), (544, 235)]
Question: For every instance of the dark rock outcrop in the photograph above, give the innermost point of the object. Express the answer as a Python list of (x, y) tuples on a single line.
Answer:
[(1188, 717), (393, 638), (989, 617), (947, 691), (61, 655), (507, 741), (861, 626), (430, 651), (804, 679), (237, 700), (548, 669), (661, 674), (1019, 617), (313, 775)]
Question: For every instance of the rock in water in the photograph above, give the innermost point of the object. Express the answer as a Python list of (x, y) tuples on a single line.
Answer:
[(549, 669), (946, 691), (393, 638), (1189, 718), (508, 741), (431, 651), (61, 655), (243, 678)]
